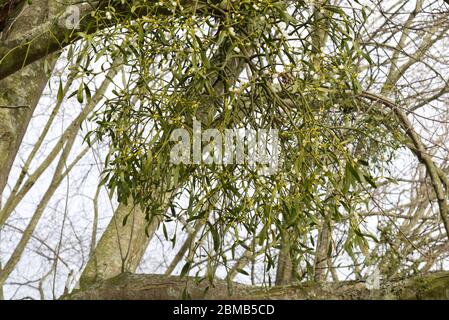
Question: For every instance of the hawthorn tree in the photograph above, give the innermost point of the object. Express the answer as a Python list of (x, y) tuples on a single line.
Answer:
[(356, 90)]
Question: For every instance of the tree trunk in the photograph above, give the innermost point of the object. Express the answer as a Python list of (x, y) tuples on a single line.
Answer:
[(20, 92), (121, 247)]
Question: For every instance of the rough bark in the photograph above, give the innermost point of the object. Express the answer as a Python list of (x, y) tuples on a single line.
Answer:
[(129, 286)]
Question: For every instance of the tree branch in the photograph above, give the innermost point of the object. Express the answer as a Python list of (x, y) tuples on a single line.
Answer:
[(129, 286)]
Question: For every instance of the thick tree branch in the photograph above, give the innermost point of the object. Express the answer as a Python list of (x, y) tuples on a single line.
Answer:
[(129, 286)]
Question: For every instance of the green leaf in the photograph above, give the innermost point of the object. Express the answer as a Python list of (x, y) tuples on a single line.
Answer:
[(88, 94), (164, 230), (370, 180), (215, 236), (60, 92), (125, 219), (80, 95), (185, 269), (347, 180), (242, 271), (354, 172)]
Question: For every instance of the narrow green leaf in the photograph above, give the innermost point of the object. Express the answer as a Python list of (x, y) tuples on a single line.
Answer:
[(185, 269), (80, 95), (60, 92), (242, 272)]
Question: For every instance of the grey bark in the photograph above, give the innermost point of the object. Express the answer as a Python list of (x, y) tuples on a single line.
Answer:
[(129, 286)]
